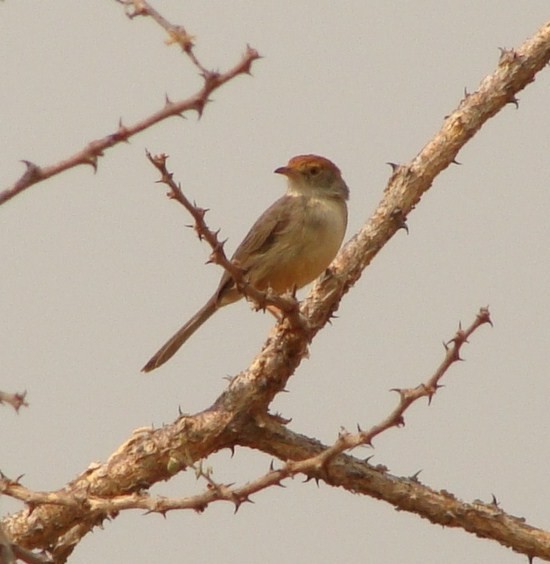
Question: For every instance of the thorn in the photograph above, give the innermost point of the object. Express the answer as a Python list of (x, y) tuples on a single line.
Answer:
[(484, 316), (210, 76), (247, 68), (198, 106), (368, 443), (280, 419), (252, 53), (454, 161), (450, 342), (343, 432), (507, 55), (239, 502), (494, 500), (399, 217), (414, 477), (394, 166), (432, 391), (92, 160), (121, 133), (32, 172), (202, 212)]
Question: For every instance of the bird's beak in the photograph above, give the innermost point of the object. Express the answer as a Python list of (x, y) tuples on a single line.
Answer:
[(287, 171)]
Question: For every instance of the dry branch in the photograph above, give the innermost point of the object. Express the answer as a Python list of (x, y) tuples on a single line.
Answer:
[(239, 416), (285, 304), (89, 155), (16, 400), (485, 520)]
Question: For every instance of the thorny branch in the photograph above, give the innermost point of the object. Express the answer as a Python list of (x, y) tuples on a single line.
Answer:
[(284, 303), (16, 400), (90, 154), (312, 466), (239, 415), (319, 462), (407, 397), (176, 33)]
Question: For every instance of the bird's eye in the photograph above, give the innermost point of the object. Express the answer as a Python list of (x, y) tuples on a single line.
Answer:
[(314, 170)]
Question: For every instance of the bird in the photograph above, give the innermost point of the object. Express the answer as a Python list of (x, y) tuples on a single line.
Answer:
[(289, 245)]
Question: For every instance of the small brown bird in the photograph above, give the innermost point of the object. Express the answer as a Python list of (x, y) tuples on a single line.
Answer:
[(290, 244)]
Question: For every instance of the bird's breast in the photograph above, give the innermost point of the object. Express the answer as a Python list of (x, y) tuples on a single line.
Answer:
[(304, 250)]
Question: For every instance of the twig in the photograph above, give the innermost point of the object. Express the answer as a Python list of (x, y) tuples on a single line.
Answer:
[(15, 400), (217, 491), (90, 154), (146, 457), (285, 303), (407, 397), (176, 33), (486, 520)]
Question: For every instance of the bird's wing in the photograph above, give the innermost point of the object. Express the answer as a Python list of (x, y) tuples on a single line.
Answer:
[(274, 221)]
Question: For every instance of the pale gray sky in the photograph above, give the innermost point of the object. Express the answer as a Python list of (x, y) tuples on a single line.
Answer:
[(98, 269)]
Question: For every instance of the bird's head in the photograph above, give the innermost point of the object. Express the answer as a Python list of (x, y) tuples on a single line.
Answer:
[(307, 173)]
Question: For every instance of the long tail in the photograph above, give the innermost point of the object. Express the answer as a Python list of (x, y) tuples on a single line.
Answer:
[(169, 349)]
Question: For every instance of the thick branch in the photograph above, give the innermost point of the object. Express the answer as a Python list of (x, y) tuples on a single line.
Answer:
[(216, 491), (153, 455), (94, 496), (515, 70), (485, 520)]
